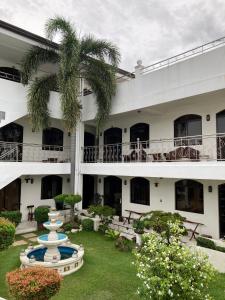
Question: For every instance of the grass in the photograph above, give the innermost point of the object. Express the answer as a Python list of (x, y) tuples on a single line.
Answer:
[(107, 274)]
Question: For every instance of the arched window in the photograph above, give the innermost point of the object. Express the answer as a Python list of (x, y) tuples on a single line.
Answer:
[(139, 131), (189, 196), (53, 139), (10, 74), (51, 186), (188, 126), (140, 191)]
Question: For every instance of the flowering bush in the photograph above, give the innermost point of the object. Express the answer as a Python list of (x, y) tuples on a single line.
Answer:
[(7, 233), (35, 283), (171, 270)]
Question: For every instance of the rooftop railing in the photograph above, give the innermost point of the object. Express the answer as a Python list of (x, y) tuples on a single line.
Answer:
[(191, 148), (9, 76), (185, 55), (26, 152)]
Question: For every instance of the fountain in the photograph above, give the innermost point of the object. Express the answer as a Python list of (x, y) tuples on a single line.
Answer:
[(54, 250)]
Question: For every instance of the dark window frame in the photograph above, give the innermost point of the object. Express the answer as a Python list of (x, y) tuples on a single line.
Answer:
[(186, 188), (47, 188), (49, 139), (140, 186), (186, 121)]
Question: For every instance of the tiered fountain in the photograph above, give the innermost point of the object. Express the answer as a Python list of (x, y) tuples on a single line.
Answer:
[(55, 250)]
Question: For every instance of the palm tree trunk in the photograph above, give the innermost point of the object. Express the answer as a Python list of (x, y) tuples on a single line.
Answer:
[(72, 153)]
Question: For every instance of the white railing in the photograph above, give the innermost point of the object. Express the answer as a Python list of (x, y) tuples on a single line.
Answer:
[(185, 55), (26, 152), (191, 148)]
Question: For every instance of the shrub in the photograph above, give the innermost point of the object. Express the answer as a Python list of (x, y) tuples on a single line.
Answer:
[(67, 227), (207, 243), (41, 214), (7, 233), (103, 211), (87, 224), (139, 226), (112, 234), (171, 270), (14, 216), (102, 228), (158, 221), (35, 283), (69, 199), (123, 244)]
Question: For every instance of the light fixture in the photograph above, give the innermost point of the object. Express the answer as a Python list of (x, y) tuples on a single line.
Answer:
[(125, 182), (156, 184), (210, 189), (99, 180), (125, 130), (207, 117), (68, 179), (27, 179)]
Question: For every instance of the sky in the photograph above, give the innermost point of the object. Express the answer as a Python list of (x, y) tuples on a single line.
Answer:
[(149, 30)]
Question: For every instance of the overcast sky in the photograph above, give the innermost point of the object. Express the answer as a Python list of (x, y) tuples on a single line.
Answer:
[(142, 29)]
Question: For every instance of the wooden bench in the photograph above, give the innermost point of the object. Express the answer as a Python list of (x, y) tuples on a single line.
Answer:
[(127, 219), (193, 231)]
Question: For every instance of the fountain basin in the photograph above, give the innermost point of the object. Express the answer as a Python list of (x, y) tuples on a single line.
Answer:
[(44, 239), (53, 226), (68, 263)]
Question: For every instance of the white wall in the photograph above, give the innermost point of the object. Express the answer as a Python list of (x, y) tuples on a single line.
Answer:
[(163, 198), (31, 194)]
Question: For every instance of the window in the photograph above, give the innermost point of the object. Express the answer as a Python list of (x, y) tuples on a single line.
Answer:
[(188, 126), (189, 196), (140, 191), (52, 139), (10, 74), (51, 186), (139, 131)]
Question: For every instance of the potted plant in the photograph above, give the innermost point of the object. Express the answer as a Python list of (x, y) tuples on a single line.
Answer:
[(139, 227)]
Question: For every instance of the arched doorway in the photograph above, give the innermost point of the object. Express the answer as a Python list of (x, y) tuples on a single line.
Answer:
[(112, 144), (221, 195), (88, 191), (10, 196), (220, 131), (12, 133), (113, 193), (89, 151)]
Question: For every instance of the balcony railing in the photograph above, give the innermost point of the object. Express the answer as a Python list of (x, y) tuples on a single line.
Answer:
[(25, 152), (191, 148)]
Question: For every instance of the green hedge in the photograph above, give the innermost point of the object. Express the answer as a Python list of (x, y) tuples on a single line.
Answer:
[(7, 233), (87, 224), (207, 243), (41, 214), (14, 216)]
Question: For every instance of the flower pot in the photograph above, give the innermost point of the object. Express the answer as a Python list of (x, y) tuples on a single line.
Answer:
[(138, 239)]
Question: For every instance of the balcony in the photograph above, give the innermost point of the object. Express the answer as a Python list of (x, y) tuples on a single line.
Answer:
[(185, 149), (27, 152)]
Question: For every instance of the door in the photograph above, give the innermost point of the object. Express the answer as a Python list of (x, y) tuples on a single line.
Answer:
[(112, 145), (10, 196), (113, 193), (221, 194), (220, 130), (88, 191)]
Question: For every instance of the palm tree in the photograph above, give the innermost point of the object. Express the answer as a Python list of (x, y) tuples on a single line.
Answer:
[(87, 57)]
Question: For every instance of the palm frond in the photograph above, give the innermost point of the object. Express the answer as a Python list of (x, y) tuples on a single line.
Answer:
[(34, 58), (101, 78), (38, 99), (100, 49), (58, 24)]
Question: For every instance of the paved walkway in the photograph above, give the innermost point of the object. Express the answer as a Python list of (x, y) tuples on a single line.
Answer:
[(27, 239)]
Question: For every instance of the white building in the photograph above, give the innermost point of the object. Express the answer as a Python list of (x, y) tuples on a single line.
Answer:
[(163, 147)]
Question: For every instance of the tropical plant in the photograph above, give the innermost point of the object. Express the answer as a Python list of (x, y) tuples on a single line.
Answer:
[(139, 226), (71, 200), (105, 212), (7, 233), (171, 270), (123, 244), (36, 283), (13, 215), (89, 58), (87, 224), (112, 234)]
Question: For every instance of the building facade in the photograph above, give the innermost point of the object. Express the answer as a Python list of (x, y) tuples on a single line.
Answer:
[(162, 148)]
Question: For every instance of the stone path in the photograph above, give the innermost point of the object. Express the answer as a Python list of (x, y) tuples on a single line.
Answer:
[(27, 238)]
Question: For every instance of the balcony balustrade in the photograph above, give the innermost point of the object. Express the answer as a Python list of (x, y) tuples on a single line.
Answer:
[(191, 148), (26, 152)]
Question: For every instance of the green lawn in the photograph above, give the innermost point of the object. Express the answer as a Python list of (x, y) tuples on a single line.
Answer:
[(107, 273)]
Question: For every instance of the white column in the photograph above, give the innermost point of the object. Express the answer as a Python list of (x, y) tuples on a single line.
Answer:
[(78, 178)]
